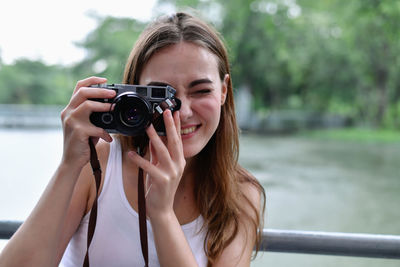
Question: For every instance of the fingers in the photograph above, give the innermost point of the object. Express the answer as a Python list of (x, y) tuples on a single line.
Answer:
[(75, 116), (170, 155), (84, 110), (158, 149), (95, 133), (177, 121), (82, 91), (153, 155), (89, 81), (173, 129), (78, 121), (85, 93), (146, 165), (174, 142)]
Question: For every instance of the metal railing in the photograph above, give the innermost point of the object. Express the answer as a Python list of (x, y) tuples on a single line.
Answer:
[(310, 242), (29, 116), (331, 243)]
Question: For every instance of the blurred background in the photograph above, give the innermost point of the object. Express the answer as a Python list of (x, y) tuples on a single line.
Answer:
[(317, 97)]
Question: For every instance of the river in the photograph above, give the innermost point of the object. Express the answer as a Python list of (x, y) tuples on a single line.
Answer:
[(310, 184)]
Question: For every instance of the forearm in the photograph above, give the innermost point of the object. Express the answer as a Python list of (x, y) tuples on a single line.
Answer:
[(171, 244), (36, 242)]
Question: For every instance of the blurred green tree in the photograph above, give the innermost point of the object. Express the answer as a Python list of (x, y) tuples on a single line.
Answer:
[(322, 56), (33, 82), (317, 56), (108, 47)]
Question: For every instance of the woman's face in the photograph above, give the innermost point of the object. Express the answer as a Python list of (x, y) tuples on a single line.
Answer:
[(193, 71)]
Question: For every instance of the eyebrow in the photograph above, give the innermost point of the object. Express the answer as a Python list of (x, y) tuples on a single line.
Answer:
[(199, 81), (159, 84), (191, 84)]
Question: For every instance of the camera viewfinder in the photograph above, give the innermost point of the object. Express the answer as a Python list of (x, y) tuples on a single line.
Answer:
[(141, 91), (158, 92)]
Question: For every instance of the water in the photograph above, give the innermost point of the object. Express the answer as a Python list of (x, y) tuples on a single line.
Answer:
[(28, 160), (326, 186), (310, 185)]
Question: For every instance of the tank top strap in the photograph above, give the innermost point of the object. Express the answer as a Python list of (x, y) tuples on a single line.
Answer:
[(114, 168)]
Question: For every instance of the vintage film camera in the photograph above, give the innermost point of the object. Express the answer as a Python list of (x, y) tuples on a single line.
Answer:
[(134, 108)]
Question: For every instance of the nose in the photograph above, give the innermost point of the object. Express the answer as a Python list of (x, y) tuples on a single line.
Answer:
[(185, 111)]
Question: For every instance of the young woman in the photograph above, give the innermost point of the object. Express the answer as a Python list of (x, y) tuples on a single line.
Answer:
[(203, 209)]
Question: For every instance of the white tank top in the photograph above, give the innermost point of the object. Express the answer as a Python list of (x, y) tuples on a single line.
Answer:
[(116, 241)]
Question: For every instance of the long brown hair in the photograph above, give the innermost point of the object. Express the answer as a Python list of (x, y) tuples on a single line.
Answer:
[(218, 176)]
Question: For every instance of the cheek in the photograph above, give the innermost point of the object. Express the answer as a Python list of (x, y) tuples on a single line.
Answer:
[(208, 109)]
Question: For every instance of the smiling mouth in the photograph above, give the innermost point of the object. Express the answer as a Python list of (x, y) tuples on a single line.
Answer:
[(188, 130)]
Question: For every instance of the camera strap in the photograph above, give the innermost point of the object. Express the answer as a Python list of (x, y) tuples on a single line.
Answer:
[(142, 213), (94, 162)]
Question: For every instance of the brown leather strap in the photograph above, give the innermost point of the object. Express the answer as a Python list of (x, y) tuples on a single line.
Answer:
[(94, 162), (142, 215)]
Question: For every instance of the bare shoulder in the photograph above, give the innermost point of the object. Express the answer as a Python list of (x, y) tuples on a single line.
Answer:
[(253, 194), (251, 189), (238, 252)]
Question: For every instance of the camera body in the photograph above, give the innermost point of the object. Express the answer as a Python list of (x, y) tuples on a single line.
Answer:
[(134, 108)]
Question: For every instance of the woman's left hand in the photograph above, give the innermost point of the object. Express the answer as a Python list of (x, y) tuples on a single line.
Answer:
[(165, 168)]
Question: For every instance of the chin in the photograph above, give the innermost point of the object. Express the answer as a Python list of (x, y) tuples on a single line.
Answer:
[(189, 155), (190, 152)]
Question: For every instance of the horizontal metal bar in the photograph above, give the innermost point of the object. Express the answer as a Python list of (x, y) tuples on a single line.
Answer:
[(309, 242), (8, 228), (331, 243)]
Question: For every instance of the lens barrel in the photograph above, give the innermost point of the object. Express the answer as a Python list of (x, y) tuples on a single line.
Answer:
[(132, 113)]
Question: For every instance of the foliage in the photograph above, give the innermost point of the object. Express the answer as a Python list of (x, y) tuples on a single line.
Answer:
[(108, 47), (324, 56), (315, 56), (33, 82)]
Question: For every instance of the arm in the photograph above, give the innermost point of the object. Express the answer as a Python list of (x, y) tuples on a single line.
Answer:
[(38, 241), (34, 242)]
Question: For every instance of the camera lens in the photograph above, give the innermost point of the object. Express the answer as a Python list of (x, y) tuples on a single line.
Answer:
[(132, 116), (133, 113)]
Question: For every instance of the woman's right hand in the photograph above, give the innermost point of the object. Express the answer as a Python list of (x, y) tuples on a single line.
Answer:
[(77, 128)]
